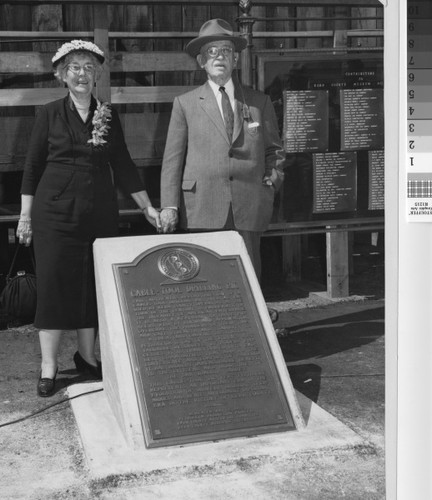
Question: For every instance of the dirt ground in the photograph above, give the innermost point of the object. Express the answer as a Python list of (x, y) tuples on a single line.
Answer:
[(335, 356)]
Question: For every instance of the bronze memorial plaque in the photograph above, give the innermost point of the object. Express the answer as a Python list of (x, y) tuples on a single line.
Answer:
[(202, 365)]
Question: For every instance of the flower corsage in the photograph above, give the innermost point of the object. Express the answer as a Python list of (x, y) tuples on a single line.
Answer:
[(101, 117)]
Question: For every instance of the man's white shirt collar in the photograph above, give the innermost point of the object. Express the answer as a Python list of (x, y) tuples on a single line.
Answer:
[(229, 89)]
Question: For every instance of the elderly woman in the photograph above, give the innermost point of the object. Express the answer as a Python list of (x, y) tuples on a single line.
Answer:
[(76, 150)]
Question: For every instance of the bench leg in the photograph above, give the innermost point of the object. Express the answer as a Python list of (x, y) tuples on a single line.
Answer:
[(337, 264), (291, 258)]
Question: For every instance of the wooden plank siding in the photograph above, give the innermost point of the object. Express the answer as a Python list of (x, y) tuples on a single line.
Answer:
[(134, 19), (146, 67), (38, 62), (144, 40), (46, 18), (119, 95), (373, 3)]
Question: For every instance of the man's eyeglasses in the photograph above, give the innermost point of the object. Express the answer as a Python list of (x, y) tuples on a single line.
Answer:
[(214, 52), (76, 68)]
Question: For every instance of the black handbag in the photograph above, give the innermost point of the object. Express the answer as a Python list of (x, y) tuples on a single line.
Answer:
[(18, 298)]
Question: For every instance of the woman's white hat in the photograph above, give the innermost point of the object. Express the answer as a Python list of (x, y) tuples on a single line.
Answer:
[(77, 45)]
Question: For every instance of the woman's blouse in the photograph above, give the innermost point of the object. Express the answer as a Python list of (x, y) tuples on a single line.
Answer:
[(60, 137)]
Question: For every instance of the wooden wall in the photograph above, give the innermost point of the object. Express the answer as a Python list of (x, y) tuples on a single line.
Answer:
[(147, 64), (147, 67)]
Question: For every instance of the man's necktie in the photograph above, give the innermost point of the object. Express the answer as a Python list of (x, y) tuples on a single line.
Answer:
[(228, 113)]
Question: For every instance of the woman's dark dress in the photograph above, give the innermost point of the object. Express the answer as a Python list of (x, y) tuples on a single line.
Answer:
[(74, 202)]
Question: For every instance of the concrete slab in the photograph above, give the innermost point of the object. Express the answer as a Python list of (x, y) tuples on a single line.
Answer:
[(107, 452)]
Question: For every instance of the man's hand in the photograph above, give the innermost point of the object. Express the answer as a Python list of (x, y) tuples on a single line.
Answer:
[(169, 220), (272, 180), (267, 181)]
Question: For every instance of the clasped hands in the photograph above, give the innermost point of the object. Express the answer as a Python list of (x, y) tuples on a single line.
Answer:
[(164, 220)]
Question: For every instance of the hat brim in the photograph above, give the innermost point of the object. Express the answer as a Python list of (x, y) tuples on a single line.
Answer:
[(194, 46), (100, 58)]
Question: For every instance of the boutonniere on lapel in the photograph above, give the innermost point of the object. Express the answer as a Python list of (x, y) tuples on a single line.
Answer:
[(251, 125), (101, 117)]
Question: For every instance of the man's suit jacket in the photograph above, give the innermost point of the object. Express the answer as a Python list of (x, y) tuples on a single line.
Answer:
[(203, 172)]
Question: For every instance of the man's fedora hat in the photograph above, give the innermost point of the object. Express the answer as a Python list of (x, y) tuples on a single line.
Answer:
[(212, 31)]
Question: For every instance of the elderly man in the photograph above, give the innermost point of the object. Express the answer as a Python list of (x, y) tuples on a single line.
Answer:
[(223, 158)]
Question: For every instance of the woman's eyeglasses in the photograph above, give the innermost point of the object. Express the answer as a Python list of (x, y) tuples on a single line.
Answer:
[(89, 69), (214, 52)]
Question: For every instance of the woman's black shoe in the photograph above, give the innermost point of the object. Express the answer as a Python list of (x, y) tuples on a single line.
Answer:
[(86, 368), (46, 386)]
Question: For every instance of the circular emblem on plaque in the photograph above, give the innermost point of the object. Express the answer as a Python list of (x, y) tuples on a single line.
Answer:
[(179, 264)]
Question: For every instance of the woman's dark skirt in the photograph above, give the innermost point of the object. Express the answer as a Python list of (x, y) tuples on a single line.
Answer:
[(70, 210)]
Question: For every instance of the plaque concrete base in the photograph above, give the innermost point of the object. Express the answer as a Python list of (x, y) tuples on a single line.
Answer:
[(107, 452), (137, 293)]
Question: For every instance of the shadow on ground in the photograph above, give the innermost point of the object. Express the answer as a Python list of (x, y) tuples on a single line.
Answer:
[(323, 338), (337, 360)]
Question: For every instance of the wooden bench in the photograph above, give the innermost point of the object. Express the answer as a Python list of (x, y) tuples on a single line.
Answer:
[(338, 250)]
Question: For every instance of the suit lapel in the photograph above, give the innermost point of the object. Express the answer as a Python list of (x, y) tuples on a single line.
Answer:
[(209, 105)]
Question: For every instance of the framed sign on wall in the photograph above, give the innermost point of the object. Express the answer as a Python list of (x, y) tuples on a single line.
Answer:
[(330, 112)]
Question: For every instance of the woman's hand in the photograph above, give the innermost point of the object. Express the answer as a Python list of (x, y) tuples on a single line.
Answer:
[(24, 232), (153, 216)]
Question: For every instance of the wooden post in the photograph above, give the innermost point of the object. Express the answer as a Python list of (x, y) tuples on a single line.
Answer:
[(337, 264), (246, 22), (101, 38)]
